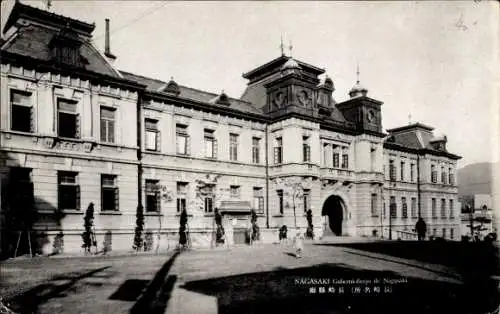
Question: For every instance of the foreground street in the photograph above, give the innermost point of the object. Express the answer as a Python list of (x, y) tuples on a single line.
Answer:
[(259, 279)]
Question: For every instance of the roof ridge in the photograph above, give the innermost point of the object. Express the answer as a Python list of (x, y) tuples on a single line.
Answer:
[(142, 76)]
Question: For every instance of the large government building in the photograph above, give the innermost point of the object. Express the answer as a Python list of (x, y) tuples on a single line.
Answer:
[(75, 130)]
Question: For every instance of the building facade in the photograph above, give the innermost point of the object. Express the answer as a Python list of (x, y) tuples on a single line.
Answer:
[(75, 130)]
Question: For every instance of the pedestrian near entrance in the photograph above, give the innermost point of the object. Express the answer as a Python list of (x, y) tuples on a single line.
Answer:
[(299, 244), (421, 228)]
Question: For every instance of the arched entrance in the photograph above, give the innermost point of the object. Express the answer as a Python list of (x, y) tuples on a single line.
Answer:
[(334, 209)]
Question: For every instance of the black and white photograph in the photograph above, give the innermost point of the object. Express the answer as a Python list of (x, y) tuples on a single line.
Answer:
[(228, 157)]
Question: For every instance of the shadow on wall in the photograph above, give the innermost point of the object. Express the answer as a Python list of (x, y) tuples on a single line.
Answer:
[(23, 228)]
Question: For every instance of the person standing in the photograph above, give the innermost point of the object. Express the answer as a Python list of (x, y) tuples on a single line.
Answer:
[(299, 244), (421, 228)]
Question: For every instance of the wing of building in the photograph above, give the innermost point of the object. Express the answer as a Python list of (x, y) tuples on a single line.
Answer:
[(75, 130)]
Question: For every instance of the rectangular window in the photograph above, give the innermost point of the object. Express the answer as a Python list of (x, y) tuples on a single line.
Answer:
[(402, 171), (258, 200), (433, 174), (452, 235), (68, 121), (451, 179), (393, 207), (444, 233), (413, 207), (107, 125), (182, 191), (306, 199), (278, 151), (21, 111), (235, 191), (68, 190), (325, 154), (452, 209), (443, 208), (256, 150), (109, 193), (336, 160), (233, 147), (392, 170), (210, 144), (306, 149), (404, 207), (345, 161), (280, 201), (152, 135), (182, 138), (209, 204), (374, 201), (434, 231), (21, 191), (433, 208), (443, 176), (153, 196), (412, 172)]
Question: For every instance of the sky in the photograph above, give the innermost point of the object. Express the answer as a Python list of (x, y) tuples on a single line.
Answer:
[(431, 62)]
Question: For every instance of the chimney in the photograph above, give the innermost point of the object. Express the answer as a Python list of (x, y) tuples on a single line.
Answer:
[(107, 48)]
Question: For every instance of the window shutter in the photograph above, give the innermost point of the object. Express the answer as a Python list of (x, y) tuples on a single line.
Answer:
[(215, 149), (111, 131), (188, 145), (32, 120), (77, 126), (117, 199), (158, 141), (158, 201), (103, 130), (77, 188)]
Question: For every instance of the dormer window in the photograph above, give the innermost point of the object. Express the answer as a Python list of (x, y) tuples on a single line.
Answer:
[(65, 48)]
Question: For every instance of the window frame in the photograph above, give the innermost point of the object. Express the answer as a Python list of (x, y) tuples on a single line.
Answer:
[(233, 146), (107, 121), (306, 149), (259, 199), (27, 95), (76, 114), (148, 129), (155, 193), (209, 139), (75, 185), (281, 202), (113, 187), (256, 150), (278, 151), (181, 131)]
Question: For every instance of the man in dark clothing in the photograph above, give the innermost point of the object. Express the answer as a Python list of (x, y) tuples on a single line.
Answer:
[(421, 228)]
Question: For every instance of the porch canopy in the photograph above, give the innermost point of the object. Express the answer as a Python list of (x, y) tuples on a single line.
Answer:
[(235, 207)]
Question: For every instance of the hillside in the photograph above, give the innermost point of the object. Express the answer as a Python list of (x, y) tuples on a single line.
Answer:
[(475, 179)]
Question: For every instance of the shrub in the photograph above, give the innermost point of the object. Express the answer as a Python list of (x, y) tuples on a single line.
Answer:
[(219, 233), (310, 227), (148, 243), (88, 223), (182, 228), (139, 227), (255, 227), (58, 245)]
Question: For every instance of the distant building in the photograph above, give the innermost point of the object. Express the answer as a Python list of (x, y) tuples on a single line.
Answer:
[(76, 130), (479, 209)]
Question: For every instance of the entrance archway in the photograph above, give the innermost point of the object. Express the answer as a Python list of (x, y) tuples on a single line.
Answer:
[(334, 209)]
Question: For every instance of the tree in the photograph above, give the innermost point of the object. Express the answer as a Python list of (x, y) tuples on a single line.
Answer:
[(88, 235), (220, 233), (182, 229), (310, 227), (295, 189), (255, 227), (139, 227)]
